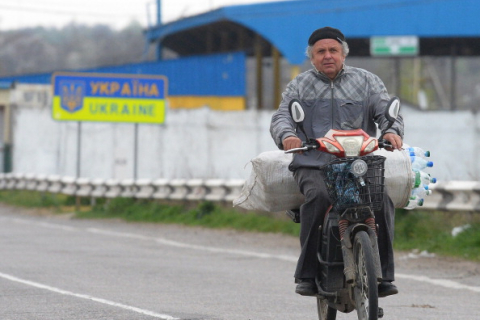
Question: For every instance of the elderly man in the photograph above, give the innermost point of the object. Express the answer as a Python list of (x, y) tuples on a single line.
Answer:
[(340, 97)]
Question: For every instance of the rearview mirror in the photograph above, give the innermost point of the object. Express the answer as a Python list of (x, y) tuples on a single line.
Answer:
[(393, 109), (296, 111), (391, 112), (298, 115)]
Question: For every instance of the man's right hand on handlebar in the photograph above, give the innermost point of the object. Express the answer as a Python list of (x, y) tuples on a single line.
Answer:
[(291, 142), (395, 140)]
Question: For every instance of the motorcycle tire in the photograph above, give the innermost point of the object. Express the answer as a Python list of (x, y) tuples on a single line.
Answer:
[(325, 312), (366, 286)]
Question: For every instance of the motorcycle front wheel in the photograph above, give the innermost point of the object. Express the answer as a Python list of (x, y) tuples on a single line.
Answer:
[(366, 286), (325, 312)]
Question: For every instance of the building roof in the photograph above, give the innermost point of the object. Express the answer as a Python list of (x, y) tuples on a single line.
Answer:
[(6, 84), (288, 24)]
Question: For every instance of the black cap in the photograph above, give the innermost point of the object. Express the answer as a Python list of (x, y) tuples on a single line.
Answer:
[(326, 33)]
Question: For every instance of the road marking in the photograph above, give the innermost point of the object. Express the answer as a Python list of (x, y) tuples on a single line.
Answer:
[(45, 224), (228, 251), (87, 297), (193, 246), (438, 282)]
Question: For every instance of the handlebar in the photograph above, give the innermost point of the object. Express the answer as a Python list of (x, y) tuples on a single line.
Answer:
[(306, 146)]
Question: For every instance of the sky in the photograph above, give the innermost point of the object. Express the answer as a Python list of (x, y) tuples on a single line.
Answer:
[(18, 14)]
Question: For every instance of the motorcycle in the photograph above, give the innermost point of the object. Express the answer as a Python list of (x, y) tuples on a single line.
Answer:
[(348, 258)]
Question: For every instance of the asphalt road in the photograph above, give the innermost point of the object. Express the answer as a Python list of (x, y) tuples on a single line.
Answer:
[(54, 267)]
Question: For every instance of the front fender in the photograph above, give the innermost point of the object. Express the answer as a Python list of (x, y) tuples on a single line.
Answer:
[(347, 241)]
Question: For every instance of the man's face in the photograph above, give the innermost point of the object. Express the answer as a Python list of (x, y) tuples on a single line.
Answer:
[(327, 57)]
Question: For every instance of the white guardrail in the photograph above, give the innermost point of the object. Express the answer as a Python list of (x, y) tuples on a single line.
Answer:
[(175, 189), (447, 196), (454, 196)]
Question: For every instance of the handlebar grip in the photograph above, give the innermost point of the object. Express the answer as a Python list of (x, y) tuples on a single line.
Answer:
[(384, 144)]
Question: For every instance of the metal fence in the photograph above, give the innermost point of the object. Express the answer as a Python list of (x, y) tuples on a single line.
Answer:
[(446, 196)]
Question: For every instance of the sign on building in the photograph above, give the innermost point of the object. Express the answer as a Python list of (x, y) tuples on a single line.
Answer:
[(394, 46), (109, 97)]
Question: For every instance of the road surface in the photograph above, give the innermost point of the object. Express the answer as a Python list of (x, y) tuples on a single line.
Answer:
[(57, 267)]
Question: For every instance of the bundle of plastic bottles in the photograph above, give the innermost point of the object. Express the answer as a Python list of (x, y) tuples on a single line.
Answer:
[(421, 179)]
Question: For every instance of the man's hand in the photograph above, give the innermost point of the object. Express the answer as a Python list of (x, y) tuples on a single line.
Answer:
[(394, 139), (291, 142)]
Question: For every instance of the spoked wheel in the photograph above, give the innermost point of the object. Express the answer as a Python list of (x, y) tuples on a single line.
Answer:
[(325, 312), (366, 287)]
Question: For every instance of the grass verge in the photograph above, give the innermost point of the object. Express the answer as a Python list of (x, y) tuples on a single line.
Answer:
[(421, 230), (433, 231), (205, 214)]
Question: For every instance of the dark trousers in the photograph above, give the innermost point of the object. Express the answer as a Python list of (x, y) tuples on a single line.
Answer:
[(312, 214)]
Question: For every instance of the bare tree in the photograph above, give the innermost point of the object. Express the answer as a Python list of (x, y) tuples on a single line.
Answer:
[(38, 50)]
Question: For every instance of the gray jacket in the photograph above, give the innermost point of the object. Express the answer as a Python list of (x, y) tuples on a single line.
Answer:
[(355, 99)]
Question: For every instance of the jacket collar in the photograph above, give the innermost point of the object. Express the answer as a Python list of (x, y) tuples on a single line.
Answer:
[(324, 77)]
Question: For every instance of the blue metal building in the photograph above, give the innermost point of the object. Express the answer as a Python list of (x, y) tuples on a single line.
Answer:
[(440, 24), (216, 80), (215, 52)]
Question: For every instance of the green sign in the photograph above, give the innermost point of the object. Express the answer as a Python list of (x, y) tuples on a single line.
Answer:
[(394, 46)]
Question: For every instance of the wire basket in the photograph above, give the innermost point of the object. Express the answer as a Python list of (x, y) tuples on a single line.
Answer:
[(346, 191)]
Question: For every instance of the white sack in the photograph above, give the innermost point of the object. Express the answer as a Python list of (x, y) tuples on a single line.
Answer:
[(398, 176), (271, 186)]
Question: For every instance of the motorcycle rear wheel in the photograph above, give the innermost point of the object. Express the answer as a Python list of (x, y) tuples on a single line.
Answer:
[(325, 312), (366, 286)]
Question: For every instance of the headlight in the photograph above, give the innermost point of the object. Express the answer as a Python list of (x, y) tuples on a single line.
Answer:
[(359, 167), (369, 148), (331, 148), (351, 145)]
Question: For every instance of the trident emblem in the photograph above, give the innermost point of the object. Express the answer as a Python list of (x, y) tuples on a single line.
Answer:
[(71, 95)]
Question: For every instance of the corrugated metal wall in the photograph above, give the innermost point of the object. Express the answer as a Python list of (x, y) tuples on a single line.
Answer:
[(217, 81), (219, 74)]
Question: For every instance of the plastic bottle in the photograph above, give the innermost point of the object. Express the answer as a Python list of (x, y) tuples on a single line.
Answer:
[(421, 192), (423, 177), (413, 202), (417, 179), (416, 151), (420, 163)]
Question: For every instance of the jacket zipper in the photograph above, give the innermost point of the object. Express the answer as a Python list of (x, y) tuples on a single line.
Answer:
[(331, 101)]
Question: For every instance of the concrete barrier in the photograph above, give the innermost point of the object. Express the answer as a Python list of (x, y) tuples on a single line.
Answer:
[(454, 196), (446, 196), (175, 189)]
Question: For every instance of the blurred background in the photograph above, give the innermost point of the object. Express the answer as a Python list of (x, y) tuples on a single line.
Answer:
[(227, 63)]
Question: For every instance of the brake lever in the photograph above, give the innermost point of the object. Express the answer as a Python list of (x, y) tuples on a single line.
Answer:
[(310, 145)]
